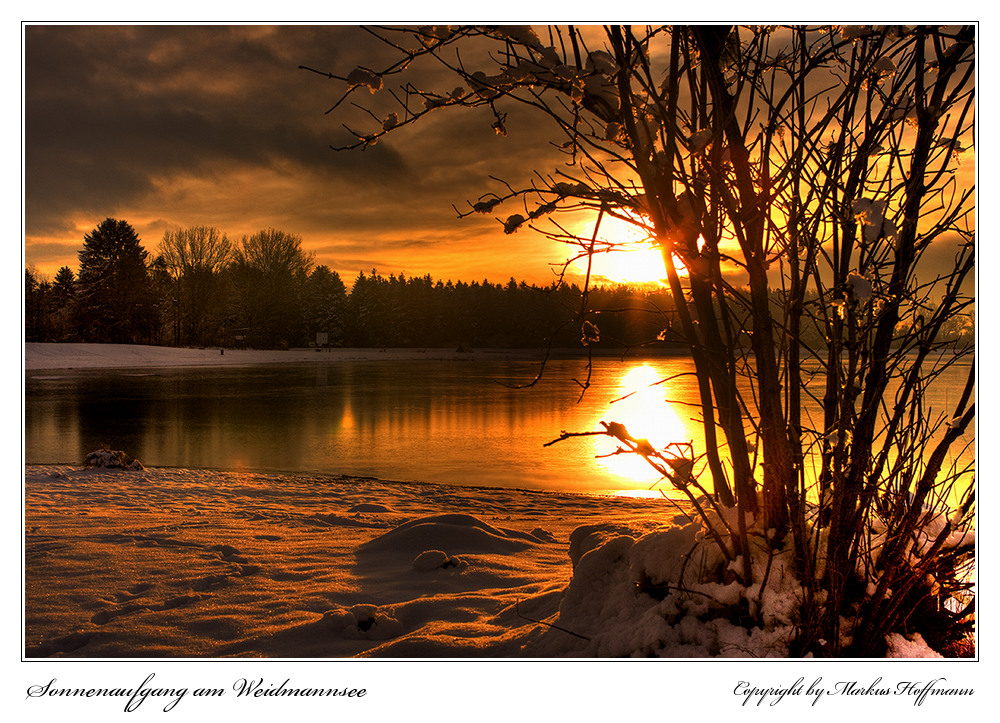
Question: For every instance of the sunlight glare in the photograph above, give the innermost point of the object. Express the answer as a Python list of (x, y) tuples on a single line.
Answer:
[(635, 259), (646, 414)]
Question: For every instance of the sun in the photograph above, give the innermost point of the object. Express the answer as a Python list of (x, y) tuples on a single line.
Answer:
[(634, 258), (635, 264)]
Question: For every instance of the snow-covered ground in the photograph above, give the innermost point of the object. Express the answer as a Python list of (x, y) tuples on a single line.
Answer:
[(173, 562), (176, 564)]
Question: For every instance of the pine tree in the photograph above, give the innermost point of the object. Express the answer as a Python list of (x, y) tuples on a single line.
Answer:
[(116, 302), (326, 305), (62, 301)]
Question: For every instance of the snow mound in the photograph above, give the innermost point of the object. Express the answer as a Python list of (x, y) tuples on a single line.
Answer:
[(589, 537), (600, 582), (912, 647), (662, 556), (370, 507), (662, 594), (454, 532)]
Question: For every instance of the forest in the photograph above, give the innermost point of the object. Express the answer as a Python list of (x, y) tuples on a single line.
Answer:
[(265, 292)]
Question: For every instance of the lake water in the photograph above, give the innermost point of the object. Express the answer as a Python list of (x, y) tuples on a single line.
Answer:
[(433, 421)]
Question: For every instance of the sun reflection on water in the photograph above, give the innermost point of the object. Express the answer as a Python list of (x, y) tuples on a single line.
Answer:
[(642, 407)]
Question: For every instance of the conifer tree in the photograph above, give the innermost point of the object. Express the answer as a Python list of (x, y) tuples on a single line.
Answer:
[(326, 305), (62, 301), (115, 301)]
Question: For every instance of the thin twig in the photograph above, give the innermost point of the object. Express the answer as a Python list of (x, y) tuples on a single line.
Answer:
[(517, 609)]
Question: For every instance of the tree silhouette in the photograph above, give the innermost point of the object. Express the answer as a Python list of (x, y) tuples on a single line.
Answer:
[(196, 259), (115, 302), (326, 305), (37, 298), (63, 301), (267, 276)]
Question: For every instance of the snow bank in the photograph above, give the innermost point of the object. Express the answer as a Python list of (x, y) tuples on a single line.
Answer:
[(912, 647), (641, 597), (673, 592)]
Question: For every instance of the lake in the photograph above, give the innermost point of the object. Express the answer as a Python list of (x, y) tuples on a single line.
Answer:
[(450, 422)]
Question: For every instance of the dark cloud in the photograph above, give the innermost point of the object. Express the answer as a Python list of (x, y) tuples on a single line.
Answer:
[(174, 126), (218, 125), (109, 108)]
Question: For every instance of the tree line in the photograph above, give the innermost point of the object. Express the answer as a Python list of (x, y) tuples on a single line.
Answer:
[(264, 291)]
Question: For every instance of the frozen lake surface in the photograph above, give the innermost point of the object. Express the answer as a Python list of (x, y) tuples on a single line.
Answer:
[(428, 420), (434, 421)]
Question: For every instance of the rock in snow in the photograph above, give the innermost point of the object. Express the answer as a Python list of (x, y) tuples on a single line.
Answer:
[(111, 459)]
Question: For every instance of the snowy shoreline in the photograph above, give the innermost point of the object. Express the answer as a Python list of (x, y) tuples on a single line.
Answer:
[(40, 356)]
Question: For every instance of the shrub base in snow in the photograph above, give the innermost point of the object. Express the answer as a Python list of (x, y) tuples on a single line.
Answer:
[(673, 593)]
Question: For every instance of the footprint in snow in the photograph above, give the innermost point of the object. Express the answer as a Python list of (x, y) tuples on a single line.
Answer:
[(361, 622)]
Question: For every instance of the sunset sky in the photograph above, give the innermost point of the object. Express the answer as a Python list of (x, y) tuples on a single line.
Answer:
[(171, 127)]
